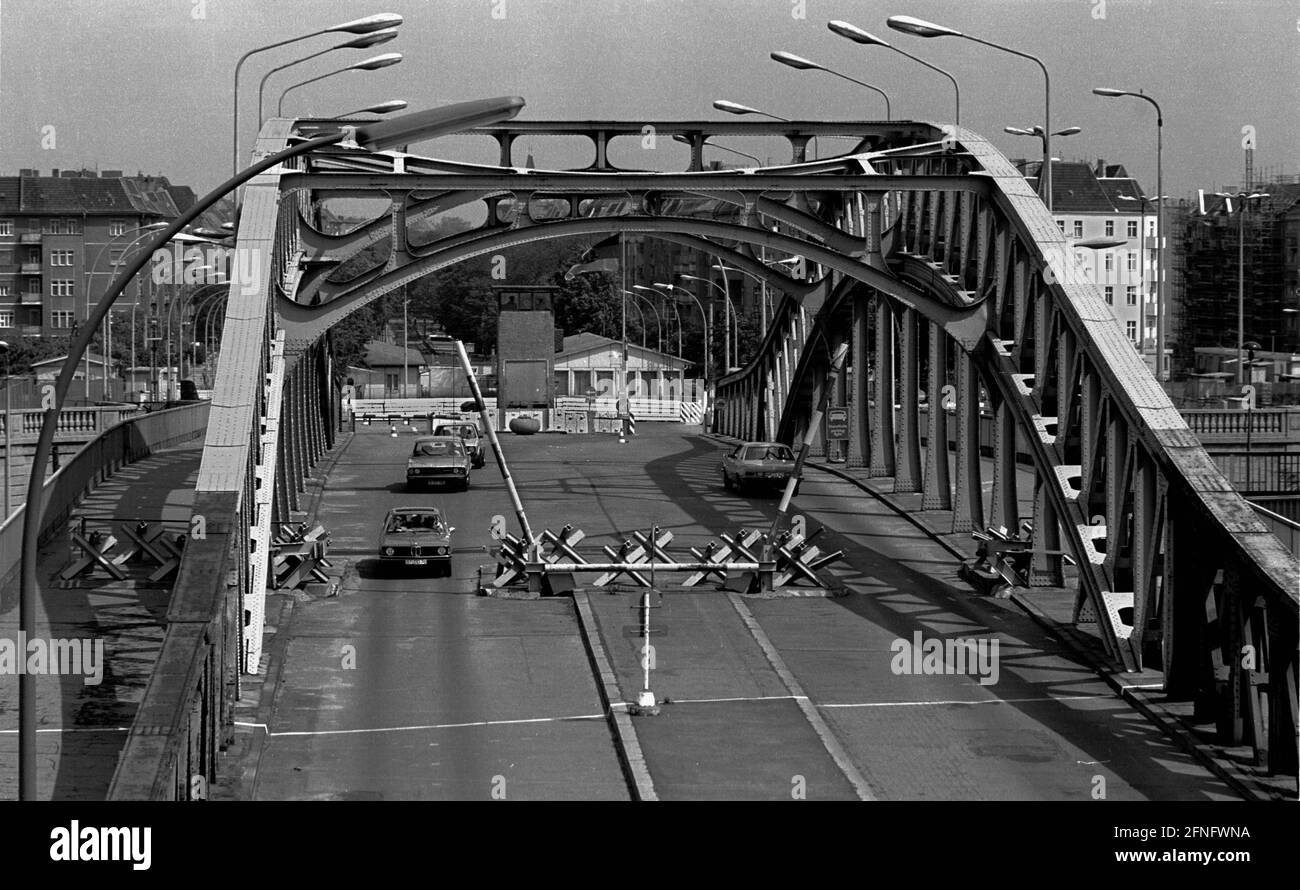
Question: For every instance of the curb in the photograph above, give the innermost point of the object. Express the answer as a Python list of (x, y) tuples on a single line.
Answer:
[(629, 747)]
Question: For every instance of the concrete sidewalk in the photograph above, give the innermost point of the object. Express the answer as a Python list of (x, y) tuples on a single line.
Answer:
[(82, 726), (1053, 609)]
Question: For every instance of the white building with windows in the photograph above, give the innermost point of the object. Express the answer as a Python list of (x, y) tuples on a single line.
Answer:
[(1104, 202)]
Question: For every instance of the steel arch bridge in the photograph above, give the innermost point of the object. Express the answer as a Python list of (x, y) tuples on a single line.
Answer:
[(928, 253)]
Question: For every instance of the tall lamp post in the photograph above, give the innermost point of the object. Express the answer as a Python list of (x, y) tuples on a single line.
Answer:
[(362, 42), (708, 322), (372, 137), (857, 35), (1243, 201), (665, 346), (1162, 289), (799, 63), (921, 28), (9, 429), (90, 274), (728, 312), (365, 25), (374, 63)]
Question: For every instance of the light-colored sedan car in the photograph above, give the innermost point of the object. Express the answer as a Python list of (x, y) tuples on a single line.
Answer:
[(468, 433), (416, 536), (440, 459), (757, 464)]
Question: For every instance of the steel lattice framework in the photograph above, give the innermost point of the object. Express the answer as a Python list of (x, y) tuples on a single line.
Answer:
[(927, 252)]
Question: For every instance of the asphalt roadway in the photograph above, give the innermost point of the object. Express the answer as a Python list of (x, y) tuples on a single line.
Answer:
[(407, 686)]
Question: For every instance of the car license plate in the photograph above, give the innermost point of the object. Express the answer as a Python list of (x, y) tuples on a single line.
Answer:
[(417, 562)]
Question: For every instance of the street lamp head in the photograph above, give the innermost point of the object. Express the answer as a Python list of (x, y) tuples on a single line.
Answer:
[(661, 284), (374, 62), (1107, 91), (1018, 131), (1068, 131), (919, 27), (734, 107), (856, 34), (796, 62), (369, 24), (379, 108), (366, 40), (436, 122)]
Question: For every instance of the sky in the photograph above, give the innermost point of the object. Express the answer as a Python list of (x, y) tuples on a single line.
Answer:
[(148, 85)]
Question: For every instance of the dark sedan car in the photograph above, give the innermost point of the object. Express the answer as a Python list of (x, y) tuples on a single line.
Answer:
[(758, 464), (416, 536), (441, 459)]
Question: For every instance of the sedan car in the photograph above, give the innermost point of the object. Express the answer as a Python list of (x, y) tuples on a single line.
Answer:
[(416, 536), (438, 459), (765, 464), (468, 433)]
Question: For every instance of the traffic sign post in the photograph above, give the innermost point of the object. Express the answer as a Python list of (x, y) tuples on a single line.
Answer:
[(837, 432)]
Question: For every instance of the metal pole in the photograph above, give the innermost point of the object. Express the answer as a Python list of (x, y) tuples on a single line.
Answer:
[(1161, 287), (406, 338), (9, 434), (1241, 290), (814, 424), (490, 432)]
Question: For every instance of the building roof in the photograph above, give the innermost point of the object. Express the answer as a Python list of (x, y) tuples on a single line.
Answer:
[(382, 355), (60, 359), (577, 344), (1076, 188), (87, 194)]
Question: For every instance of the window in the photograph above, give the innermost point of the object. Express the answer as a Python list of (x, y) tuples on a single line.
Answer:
[(60, 258), (1131, 295), (1110, 295), (61, 287), (1132, 328), (60, 227), (6, 226), (1078, 228), (117, 227), (6, 318), (1110, 261), (61, 318), (1131, 261), (115, 256), (1132, 228), (1110, 228), (1060, 224)]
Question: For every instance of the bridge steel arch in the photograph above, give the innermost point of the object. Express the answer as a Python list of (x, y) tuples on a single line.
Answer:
[(931, 254)]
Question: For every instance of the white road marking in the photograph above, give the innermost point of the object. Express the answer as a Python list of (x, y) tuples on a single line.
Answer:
[(980, 701), (71, 729), (416, 727)]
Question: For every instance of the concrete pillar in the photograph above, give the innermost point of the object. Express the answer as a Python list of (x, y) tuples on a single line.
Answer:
[(882, 426), (907, 478), (938, 486), (968, 514), (859, 391)]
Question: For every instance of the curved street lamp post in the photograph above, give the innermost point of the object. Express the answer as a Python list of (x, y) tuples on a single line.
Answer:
[(372, 137)]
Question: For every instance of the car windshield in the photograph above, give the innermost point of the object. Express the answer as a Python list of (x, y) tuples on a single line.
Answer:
[(446, 448), (768, 452), (465, 432), (412, 522)]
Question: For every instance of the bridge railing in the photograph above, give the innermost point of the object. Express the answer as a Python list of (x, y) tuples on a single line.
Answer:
[(74, 421), (123, 443)]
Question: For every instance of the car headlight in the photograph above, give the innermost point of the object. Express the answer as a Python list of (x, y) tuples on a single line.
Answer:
[(389, 551), (442, 551)]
